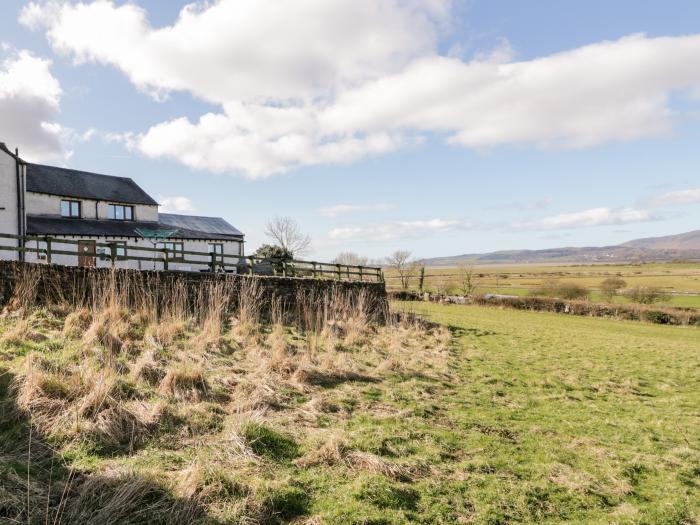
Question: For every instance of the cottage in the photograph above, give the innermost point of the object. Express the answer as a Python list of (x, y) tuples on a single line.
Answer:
[(92, 208)]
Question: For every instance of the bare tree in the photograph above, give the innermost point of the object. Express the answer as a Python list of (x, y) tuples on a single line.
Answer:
[(399, 261), (468, 280), (286, 233), (351, 259)]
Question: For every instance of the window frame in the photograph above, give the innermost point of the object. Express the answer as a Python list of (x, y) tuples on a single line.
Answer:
[(175, 250), (70, 203), (112, 207), (121, 245), (218, 248), (41, 248)]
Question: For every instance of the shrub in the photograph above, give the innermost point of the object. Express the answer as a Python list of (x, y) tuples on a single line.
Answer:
[(612, 286), (562, 290), (647, 295)]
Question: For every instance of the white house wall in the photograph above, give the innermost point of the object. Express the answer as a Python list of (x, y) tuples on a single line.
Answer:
[(133, 245), (50, 205), (8, 203)]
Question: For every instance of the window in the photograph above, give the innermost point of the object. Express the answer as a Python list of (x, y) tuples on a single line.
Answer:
[(41, 254), (121, 248), (120, 212), (218, 250), (175, 250), (70, 209)]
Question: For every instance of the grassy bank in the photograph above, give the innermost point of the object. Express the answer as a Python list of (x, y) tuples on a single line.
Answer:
[(507, 417)]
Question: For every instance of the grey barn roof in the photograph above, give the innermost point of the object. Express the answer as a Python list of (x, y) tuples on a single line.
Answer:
[(42, 225), (85, 185), (197, 223)]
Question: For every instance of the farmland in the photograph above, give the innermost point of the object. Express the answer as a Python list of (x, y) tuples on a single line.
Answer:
[(681, 279)]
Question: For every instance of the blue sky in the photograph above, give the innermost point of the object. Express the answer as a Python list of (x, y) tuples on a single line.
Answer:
[(368, 133)]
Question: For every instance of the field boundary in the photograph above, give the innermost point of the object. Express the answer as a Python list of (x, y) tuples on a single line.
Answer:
[(666, 315), (40, 284)]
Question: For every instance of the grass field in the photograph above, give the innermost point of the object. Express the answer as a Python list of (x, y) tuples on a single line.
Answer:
[(519, 280), (507, 417), (589, 420)]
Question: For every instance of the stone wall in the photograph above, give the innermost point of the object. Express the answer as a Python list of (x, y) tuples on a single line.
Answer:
[(44, 284)]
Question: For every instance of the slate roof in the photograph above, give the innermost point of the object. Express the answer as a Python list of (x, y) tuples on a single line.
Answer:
[(85, 185), (197, 223), (43, 225)]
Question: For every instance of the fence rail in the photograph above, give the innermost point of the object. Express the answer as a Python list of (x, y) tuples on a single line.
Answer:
[(213, 262)]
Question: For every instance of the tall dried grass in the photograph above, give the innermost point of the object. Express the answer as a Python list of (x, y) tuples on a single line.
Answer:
[(149, 362)]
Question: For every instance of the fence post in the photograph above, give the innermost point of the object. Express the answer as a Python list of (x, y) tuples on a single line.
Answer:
[(47, 240), (314, 266), (421, 279), (361, 276), (113, 253), (212, 262), (165, 259), (340, 277), (284, 268)]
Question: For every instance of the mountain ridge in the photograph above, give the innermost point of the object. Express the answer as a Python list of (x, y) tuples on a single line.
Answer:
[(648, 249)]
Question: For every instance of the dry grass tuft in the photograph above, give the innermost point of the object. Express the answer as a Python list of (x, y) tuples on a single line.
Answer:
[(332, 452), (167, 330), (77, 322), (372, 463), (108, 329), (335, 451), (185, 381), (147, 369), (129, 498), (21, 332)]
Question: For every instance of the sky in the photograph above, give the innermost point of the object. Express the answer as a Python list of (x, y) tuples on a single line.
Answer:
[(440, 127)]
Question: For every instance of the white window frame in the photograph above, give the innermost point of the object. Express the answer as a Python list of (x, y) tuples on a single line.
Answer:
[(175, 250), (71, 203), (112, 214)]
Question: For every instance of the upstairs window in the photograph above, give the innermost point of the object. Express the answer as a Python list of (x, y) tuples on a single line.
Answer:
[(119, 212), (70, 209)]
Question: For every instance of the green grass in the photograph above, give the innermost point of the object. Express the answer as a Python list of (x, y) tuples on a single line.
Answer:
[(534, 418), (558, 419)]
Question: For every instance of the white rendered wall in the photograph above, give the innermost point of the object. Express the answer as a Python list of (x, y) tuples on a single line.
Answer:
[(154, 261), (43, 204), (8, 203)]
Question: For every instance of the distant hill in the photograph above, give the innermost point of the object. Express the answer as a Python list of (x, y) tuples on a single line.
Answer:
[(682, 241), (652, 249)]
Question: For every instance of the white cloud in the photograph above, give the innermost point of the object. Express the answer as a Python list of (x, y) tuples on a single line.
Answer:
[(608, 91), (245, 49), (587, 219), (311, 82), (400, 229), (257, 140), (341, 209), (175, 204), (689, 196), (29, 103)]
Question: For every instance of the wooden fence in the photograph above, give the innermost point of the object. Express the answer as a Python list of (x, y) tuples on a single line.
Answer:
[(213, 262)]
